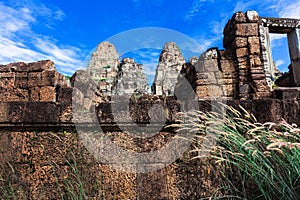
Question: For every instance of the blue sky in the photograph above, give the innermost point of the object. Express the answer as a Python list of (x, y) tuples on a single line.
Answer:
[(67, 31)]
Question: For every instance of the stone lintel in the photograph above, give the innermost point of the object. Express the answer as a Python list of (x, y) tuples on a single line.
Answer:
[(280, 25)]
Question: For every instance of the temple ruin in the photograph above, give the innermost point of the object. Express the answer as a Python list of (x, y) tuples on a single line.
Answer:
[(40, 146), (243, 70)]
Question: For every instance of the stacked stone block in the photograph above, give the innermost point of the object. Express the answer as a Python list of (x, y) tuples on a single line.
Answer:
[(209, 81), (35, 82), (229, 74), (241, 35)]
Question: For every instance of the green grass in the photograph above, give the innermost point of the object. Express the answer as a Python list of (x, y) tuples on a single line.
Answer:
[(258, 161), (73, 186)]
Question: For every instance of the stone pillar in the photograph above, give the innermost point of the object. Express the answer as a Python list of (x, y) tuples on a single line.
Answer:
[(242, 36), (266, 53), (208, 78), (294, 48)]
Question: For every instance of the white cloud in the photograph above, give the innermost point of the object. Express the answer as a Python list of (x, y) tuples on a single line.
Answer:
[(150, 69), (279, 62), (242, 6), (12, 20), (290, 10), (11, 51), (195, 9), (277, 39), (18, 42)]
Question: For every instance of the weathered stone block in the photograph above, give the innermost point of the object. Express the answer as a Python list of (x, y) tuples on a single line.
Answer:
[(202, 91), (211, 65), (21, 80), (65, 113), (230, 81), (33, 79), (247, 29), (291, 111), (48, 78), (209, 91), (13, 67), (229, 90), (15, 111), (261, 86), (241, 52), (244, 89), (4, 68), (257, 70), (254, 45), (47, 93), (62, 80), (267, 110), (227, 54), (7, 75), (255, 61), (240, 42), (159, 190), (260, 76), (252, 16), (243, 61), (3, 112), (64, 95), (19, 95), (229, 75), (7, 83), (41, 112), (34, 94), (206, 78), (227, 66), (37, 66), (291, 94), (239, 17)]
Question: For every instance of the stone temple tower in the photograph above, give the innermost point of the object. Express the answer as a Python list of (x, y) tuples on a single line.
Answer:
[(131, 78), (103, 66), (168, 69)]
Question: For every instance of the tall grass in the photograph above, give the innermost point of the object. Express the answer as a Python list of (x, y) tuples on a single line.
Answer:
[(258, 160)]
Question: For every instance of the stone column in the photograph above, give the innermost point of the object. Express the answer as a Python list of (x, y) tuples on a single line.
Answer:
[(294, 48), (266, 53)]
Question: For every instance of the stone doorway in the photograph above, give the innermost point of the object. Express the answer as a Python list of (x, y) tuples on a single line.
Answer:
[(290, 27)]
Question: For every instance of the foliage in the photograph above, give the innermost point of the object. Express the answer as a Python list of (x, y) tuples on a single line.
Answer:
[(106, 66), (258, 161)]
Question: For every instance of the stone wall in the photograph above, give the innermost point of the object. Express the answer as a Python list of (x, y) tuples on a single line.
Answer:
[(36, 82)]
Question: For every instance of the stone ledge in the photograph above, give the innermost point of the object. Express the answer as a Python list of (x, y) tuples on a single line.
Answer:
[(49, 114)]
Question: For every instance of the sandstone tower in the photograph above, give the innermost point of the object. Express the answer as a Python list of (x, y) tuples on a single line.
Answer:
[(168, 69), (103, 66), (131, 78)]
